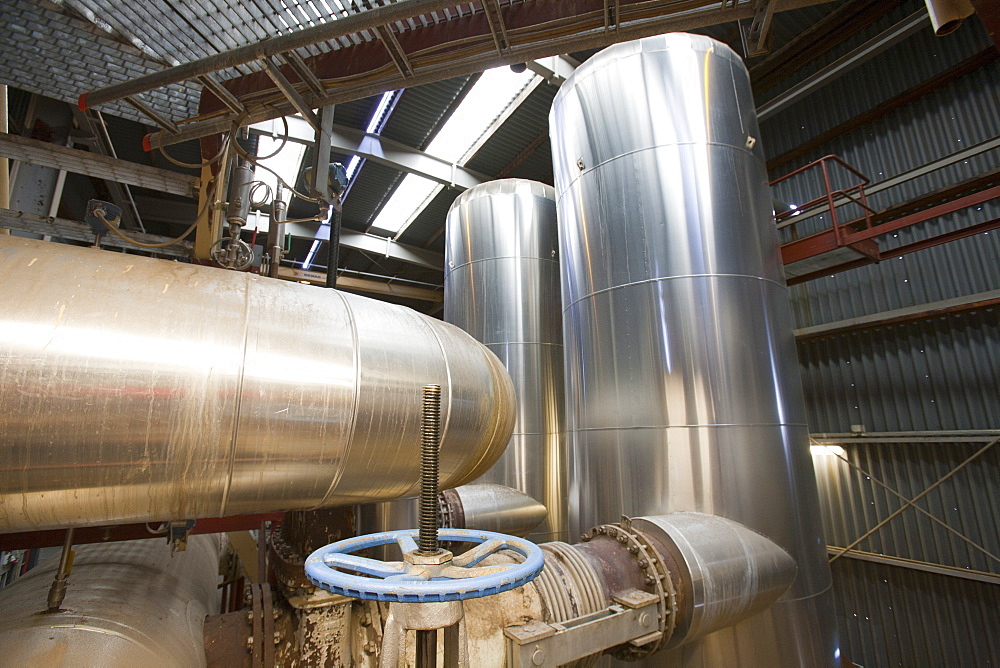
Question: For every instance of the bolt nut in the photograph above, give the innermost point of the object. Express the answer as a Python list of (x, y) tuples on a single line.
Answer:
[(438, 558), (250, 642), (580, 164), (277, 636), (369, 648)]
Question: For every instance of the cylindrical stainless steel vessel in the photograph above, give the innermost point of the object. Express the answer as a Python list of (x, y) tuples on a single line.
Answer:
[(128, 604), (681, 372), (501, 285), (136, 389)]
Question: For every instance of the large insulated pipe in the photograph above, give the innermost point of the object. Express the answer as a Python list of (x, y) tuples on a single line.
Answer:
[(134, 389), (702, 573), (128, 604), (681, 372), (501, 285)]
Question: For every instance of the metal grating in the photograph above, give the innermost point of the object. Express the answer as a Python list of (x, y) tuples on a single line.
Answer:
[(52, 54)]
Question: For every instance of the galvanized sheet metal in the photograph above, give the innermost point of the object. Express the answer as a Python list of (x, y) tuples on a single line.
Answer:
[(941, 373), (682, 393)]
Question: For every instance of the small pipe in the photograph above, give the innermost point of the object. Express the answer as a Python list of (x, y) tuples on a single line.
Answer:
[(4, 177), (430, 429), (333, 245), (58, 590), (276, 231)]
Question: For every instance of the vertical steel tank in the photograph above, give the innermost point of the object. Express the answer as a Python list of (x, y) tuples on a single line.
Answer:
[(501, 285), (681, 372)]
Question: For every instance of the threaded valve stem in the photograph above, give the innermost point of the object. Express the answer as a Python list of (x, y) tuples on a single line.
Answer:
[(430, 441)]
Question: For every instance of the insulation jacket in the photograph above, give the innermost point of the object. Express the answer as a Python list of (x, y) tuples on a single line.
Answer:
[(682, 382), (134, 389)]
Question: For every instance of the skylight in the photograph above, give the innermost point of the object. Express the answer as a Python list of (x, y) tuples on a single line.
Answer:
[(373, 128), (286, 163), (375, 125), (488, 99)]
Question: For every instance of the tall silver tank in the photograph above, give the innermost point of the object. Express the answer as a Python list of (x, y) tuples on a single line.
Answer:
[(134, 389), (501, 285), (681, 371)]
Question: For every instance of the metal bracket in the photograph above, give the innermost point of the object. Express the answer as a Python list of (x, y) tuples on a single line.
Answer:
[(177, 534), (633, 618), (756, 32)]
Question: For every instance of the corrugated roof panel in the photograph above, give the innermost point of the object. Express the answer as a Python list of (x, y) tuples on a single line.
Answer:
[(519, 130), (893, 616), (935, 374), (421, 110), (431, 219), (374, 184)]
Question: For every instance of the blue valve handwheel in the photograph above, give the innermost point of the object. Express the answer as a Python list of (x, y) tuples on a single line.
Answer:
[(336, 570)]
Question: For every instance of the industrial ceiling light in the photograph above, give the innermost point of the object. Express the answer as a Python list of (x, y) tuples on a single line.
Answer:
[(495, 91), (286, 162), (827, 450)]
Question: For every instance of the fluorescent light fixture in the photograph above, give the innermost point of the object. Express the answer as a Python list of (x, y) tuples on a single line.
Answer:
[(495, 91), (311, 255), (375, 124), (827, 451)]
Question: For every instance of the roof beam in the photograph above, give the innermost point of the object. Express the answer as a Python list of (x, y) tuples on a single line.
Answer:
[(356, 66), (972, 64), (946, 307), (386, 152), (372, 244), (72, 230), (840, 24), (98, 166), (554, 69), (884, 41), (363, 285)]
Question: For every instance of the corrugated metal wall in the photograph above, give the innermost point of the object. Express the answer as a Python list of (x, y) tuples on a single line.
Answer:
[(936, 374)]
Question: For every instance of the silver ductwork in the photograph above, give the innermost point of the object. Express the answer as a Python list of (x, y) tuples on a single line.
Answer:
[(681, 375), (491, 508), (128, 604), (477, 506), (629, 591), (501, 285), (947, 15), (133, 389)]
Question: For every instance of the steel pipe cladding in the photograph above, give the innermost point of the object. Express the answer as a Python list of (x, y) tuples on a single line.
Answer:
[(501, 285), (681, 370), (135, 389)]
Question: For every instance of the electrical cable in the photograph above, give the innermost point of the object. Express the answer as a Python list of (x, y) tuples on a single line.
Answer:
[(187, 165), (99, 213)]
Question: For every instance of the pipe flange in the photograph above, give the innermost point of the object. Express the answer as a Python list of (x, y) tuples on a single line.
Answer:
[(657, 578)]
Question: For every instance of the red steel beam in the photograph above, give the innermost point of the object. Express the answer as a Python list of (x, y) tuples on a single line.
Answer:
[(107, 534), (924, 244), (921, 216), (976, 62), (823, 242)]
